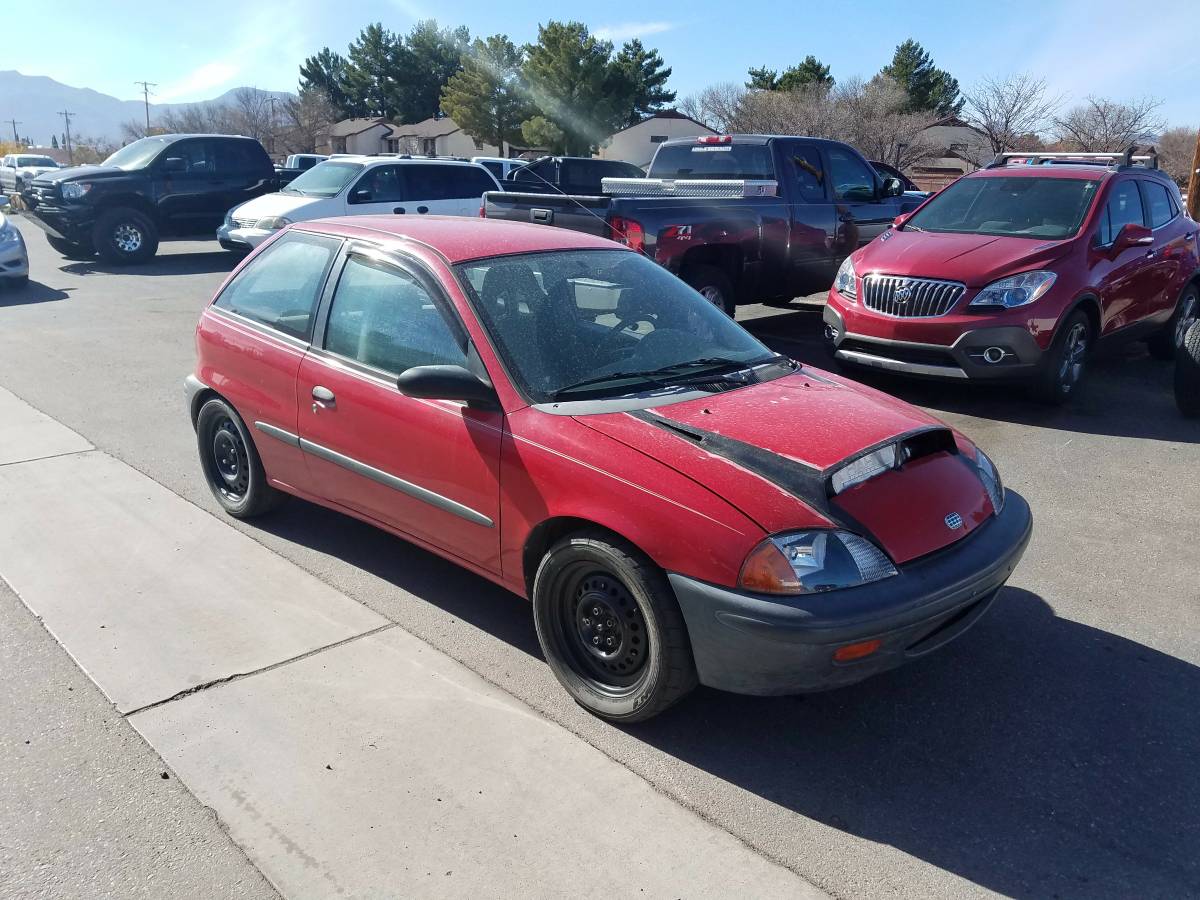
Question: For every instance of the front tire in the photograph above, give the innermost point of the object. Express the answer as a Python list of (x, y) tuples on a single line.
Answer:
[(1187, 373), (125, 237), (611, 629), (714, 286), (1167, 342), (231, 464), (1065, 363)]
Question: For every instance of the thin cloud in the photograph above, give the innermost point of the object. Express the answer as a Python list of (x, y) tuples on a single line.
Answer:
[(626, 30), (206, 78)]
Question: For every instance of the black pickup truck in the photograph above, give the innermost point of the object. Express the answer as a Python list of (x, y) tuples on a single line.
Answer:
[(170, 184), (567, 175), (738, 217)]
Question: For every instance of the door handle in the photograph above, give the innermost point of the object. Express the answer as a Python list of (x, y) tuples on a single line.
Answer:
[(399, 210), (422, 209), (323, 398), (1150, 254)]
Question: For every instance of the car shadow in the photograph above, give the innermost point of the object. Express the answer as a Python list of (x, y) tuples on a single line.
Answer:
[(204, 263), (29, 293), (1126, 394), (1035, 756)]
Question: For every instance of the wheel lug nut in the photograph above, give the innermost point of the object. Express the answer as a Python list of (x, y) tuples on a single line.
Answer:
[(596, 640), (611, 623), (611, 642), (595, 610), (587, 621)]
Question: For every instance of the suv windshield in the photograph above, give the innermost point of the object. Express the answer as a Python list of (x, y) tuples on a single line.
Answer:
[(325, 179), (39, 161), (1041, 208), (138, 154), (580, 324), (747, 161)]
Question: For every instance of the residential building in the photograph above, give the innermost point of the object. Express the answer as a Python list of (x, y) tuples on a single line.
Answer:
[(961, 149), (437, 137), (637, 143), (357, 136)]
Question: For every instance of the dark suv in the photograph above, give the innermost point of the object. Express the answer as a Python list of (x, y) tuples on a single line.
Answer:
[(171, 184)]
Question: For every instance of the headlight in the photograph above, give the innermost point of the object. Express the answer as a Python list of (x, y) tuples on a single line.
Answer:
[(8, 233), (74, 190), (273, 223), (990, 476), (844, 281), (807, 562), (1016, 290)]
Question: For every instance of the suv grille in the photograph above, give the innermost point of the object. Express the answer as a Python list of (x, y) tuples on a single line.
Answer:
[(910, 298), (44, 191)]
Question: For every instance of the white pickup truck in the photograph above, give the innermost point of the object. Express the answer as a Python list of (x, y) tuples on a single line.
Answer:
[(19, 169)]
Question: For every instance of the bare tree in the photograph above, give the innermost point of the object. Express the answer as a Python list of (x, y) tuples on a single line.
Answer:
[(1175, 149), (132, 130), (199, 118), (306, 121), (1010, 109), (252, 115), (1102, 125), (716, 106)]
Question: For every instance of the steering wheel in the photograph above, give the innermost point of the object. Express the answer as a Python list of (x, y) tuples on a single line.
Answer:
[(606, 344)]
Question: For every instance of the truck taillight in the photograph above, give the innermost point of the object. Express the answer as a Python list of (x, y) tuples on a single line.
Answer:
[(715, 139), (483, 210), (628, 232)]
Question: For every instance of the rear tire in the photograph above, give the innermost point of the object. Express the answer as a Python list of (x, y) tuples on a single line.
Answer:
[(611, 628), (714, 286), (1167, 342), (70, 249), (230, 461), (1065, 363), (125, 237), (1187, 373)]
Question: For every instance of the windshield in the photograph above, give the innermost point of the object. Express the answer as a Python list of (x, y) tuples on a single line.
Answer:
[(37, 161), (747, 161), (138, 154), (580, 324), (1042, 208), (325, 179)]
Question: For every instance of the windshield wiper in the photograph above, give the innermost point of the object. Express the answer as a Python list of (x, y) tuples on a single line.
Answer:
[(715, 367)]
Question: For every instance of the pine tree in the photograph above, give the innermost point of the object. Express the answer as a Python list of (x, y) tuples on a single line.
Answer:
[(488, 97), (929, 88)]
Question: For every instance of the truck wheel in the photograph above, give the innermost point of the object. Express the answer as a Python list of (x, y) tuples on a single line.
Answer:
[(1063, 367), (713, 285), (1187, 373), (1164, 344), (70, 249), (124, 237), (611, 628)]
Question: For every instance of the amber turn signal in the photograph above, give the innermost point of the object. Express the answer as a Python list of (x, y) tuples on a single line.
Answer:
[(767, 571), (856, 651)]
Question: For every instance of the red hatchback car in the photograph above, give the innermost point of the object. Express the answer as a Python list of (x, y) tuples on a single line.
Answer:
[(564, 417), (1015, 272)]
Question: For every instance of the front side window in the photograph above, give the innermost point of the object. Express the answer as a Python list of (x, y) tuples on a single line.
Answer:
[(381, 184), (280, 287), (199, 157), (1124, 207), (1009, 206), (852, 178), (383, 318), (595, 323), (809, 174), (1158, 203)]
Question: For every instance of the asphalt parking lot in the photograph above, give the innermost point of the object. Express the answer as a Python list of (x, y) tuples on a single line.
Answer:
[(1050, 752)]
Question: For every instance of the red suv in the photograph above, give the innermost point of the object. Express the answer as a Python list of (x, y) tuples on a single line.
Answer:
[(1016, 271), (566, 418)]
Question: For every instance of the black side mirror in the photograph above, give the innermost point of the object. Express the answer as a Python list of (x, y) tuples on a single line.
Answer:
[(892, 187), (174, 164), (447, 383)]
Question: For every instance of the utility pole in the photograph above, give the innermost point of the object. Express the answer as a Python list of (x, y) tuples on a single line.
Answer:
[(14, 123), (67, 118), (1193, 203), (146, 85), (271, 102)]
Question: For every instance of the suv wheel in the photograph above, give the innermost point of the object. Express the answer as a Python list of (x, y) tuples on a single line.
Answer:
[(1165, 344), (231, 464), (1064, 366), (1187, 373), (713, 285), (611, 629), (125, 236)]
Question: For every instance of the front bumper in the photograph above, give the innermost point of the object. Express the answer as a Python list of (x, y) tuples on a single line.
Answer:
[(758, 644), (992, 353), (68, 223), (240, 239), (14, 259)]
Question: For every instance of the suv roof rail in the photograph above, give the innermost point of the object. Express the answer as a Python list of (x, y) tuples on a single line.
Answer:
[(1116, 159)]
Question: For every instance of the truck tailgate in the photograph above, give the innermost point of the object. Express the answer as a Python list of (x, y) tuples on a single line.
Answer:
[(576, 212)]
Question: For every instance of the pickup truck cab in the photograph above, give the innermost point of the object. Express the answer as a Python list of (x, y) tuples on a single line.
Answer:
[(738, 217), (360, 186), (18, 168), (568, 175), (170, 184), (500, 166)]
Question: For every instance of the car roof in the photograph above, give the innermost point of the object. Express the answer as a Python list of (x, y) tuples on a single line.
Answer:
[(459, 238), (1059, 170), (405, 160)]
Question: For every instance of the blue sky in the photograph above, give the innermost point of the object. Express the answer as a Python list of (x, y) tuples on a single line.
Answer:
[(198, 50)]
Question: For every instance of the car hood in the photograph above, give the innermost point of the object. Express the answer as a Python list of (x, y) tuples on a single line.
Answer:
[(92, 173), (35, 170), (770, 449), (291, 205), (974, 259)]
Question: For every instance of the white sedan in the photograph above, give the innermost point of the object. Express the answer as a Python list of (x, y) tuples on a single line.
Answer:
[(14, 258)]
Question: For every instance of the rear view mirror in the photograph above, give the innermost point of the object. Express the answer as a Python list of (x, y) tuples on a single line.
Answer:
[(446, 383), (174, 164), (1132, 235)]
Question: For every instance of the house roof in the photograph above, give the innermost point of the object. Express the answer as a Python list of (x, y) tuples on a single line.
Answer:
[(348, 127), (667, 114), (428, 128)]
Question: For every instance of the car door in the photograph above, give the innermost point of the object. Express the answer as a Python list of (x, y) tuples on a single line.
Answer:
[(863, 213), (379, 191), (427, 468), (192, 195), (1165, 257), (1121, 277), (812, 260)]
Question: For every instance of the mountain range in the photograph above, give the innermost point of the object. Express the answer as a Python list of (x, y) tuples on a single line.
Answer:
[(35, 101)]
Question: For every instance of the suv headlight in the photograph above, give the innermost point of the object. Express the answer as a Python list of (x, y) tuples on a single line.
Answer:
[(844, 281), (9, 233), (74, 190), (990, 476), (1017, 290), (806, 562), (273, 223)]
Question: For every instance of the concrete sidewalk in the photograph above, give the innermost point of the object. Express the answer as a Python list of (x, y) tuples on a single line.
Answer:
[(345, 756)]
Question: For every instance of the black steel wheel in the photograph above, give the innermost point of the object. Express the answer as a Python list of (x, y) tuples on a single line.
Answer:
[(610, 628), (1167, 342), (230, 462), (1065, 363)]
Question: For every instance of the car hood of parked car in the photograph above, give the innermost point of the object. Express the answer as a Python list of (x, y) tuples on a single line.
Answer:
[(974, 259), (91, 173), (769, 449), (295, 206)]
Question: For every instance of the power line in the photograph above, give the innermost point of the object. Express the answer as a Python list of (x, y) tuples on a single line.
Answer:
[(67, 118), (146, 85)]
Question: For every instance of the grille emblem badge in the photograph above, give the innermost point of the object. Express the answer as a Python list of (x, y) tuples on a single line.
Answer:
[(954, 521), (903, 294)]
